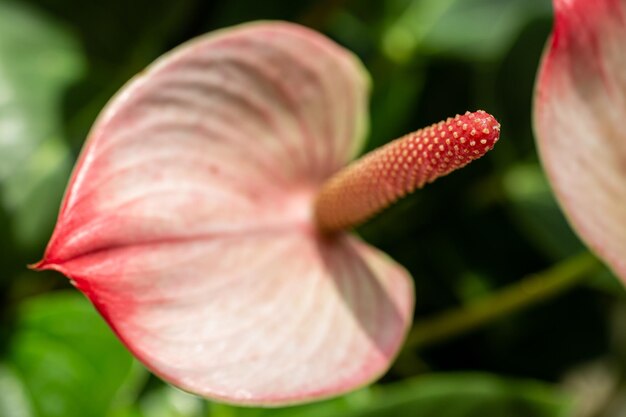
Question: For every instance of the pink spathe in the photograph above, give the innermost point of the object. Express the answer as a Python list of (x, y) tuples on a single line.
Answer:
[(188, 221), (579, 112)]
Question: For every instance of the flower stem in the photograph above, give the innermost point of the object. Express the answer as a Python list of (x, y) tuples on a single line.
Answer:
[(383, 176), (530, 290)]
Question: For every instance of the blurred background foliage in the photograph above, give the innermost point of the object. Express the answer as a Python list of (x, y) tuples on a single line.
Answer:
[(487, 341)]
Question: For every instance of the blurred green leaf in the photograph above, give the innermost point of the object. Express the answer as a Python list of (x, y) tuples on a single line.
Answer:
[(168, 401), (120, 39), (471, 29), (38, 61), (482, 29), (406, 34), (69, 360), (359, 400), (127, 396), (13, 396), (34, 192), (539, 214), (462, 395), (434, 395), (541, 219), (143, 395)]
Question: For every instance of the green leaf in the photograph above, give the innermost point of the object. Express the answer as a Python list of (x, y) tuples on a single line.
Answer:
[(541, 219), (472, 29), (537, 211), (457, 395), (167, 401), (38, 61), (69, 360), (13, 396), (434, 395), (406, 34)]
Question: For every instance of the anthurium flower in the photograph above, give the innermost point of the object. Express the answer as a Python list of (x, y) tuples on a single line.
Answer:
[(580, 109), (205, 221)]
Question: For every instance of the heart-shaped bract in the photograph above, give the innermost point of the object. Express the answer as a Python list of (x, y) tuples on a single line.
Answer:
[(188, 221), (580, 109)]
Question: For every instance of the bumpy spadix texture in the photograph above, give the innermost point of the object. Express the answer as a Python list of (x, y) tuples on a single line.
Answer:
[(580, 116), (188, 221), (386, 174)]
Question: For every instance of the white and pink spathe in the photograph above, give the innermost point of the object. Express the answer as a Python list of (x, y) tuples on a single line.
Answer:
[(580, 119), (188, 221)]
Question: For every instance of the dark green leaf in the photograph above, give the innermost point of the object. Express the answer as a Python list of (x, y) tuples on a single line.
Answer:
[(538, 212), (482, 29), (69, 360), (435, 395)]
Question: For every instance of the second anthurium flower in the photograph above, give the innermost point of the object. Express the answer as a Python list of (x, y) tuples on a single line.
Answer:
[(580, 111), (206, 217)]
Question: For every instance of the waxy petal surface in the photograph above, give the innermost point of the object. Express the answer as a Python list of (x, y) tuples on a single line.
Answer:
[(188, 221), (271, 318), (580, 121), (230, 132)]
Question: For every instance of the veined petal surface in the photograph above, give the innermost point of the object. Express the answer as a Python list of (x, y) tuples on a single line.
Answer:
[(580, 116), (188, 221), (229, 132), (270, 318)]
